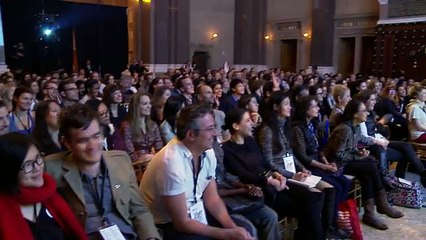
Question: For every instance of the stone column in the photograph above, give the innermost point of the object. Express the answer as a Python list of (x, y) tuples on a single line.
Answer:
[(171, 31), (250, 24), (322, 33), (358, 54)]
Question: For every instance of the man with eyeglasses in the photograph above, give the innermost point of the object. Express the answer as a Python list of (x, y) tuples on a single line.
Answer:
[(179, 187), (100, 186), (69, 92), (4, 119), (50, 91)]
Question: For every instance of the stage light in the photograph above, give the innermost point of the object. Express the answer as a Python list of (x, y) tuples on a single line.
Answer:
[(47, 32), (47, 28)]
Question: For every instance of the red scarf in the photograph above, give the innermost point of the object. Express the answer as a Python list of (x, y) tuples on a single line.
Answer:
[(14, 226)]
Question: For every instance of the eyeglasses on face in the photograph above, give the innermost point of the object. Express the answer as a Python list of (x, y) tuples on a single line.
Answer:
[(29, 166), (209, 129)]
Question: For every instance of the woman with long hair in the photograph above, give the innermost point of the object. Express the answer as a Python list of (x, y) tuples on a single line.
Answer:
[(6, 95), (343, 149), (243, 158), (30, 207), (46, 130), (22, 119), (112, 98), (154, 84), (394, 106), (161, 94), (307, 150), (275, 137), (141, 135), (170, 112)]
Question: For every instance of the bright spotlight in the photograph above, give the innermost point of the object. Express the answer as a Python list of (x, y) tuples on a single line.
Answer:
[(47, 31)]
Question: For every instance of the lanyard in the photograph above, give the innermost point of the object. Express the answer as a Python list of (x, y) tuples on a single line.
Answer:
[(195, 178), (311, 129), (284, 139), (26, 127), (99, 200)]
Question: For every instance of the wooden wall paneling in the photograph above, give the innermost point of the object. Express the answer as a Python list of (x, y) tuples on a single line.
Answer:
[(388, 54)]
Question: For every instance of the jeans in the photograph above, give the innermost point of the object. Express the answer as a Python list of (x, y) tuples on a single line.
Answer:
[(170, 233), (266, 221), (404, 153)]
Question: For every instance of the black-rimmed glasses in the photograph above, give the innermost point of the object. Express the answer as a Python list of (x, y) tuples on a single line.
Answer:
[(28, 166)]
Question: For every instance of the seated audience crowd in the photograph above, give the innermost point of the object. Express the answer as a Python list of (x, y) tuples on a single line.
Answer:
[(225, 154)]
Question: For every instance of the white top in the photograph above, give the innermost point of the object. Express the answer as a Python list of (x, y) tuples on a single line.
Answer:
[(170, 174), (364, 132), (415, 111), (166, 131)]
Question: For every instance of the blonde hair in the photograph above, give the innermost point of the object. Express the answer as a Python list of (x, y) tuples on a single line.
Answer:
[(5, 94), (339, 90), (414, 91)]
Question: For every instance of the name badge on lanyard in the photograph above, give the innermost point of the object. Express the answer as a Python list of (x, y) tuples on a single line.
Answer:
[(197, 212), (289, 163)]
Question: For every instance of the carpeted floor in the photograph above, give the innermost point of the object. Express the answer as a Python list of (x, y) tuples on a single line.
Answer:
[(412, 226)]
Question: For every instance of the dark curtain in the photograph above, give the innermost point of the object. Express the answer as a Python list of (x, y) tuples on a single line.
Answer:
[(100, 31)]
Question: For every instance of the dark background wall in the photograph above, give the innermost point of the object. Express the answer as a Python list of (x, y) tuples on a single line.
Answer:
[(100, 31)]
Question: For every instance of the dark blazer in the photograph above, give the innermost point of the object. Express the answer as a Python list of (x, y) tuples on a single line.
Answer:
[(274, 151), (343, 142), (121, 115), (126, 196)]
